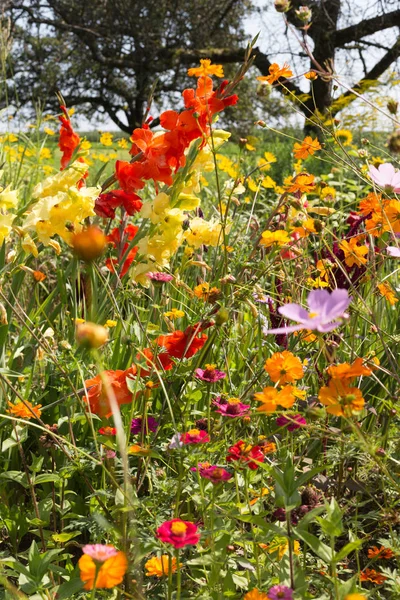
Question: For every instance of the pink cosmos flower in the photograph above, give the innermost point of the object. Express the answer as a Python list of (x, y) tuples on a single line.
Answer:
[(215, 474), (159, 277), (178, 533), (291, 422), (280, 592), (99, 552), (326, 311), (231, 407), (195, 436), (210, 374), (386, 176), (393, 251)]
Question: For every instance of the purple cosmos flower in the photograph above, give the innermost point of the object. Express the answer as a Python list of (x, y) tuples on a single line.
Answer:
[(231, 407), (210, 374), (215, 474), (386, 176), (326, 310), (393, 251), (291, 422), (280, 592), (175, 442), (260, 297), (149, 425), (159, 277)]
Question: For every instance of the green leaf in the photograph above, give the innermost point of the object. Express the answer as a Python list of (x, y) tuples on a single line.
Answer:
[(46, 477), (68, 589), (65, 537), (320, 549), (350, 547), (16, 476)]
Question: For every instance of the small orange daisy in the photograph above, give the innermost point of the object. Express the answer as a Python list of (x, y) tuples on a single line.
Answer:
[(284, 367)]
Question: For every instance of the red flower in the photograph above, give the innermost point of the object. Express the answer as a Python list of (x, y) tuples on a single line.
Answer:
[(97, 396), (178, 533), (129, 175), (245, 453), (114, 238), (108, 431), (68, 140), (195, 436), (162, 361), (183, 344), (107, 203)]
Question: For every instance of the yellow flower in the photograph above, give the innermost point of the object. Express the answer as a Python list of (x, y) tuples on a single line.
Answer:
[(159, 566), (123, 143), (355, 597), (174, 313), (201, 232), (284, 367), (85, 145), (106, 138), (344, 136), (328, 193), (280, 545), (49, 131), (109, 323), (279, 237), (387, 292), (24, 410), (206, 68)]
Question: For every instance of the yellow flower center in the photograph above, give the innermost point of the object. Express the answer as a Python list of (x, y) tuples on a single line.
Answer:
[(233, 401), (313, 315), (211, 367), (178, 528), (194, 432)]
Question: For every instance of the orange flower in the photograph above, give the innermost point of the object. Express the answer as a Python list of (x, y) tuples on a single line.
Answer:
[(371, 203), (347, 371), (159, 566), (284, 367), (276, 72), (311, 75), (271, 398), (308, 147), (373, 576), (303, 183), (353, 254), (382, 552), (98, 396), (104, 561), (39, 276), (206, 68), (206, 293), (89, 243), (392, 210), (255, 595), (340, 399), (387, 292), (183, 344), (24, 410)]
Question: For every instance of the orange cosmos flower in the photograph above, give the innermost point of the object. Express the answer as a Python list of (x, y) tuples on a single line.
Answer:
[(387, 292), (373, 576), (284, 367), (159, 566), (271, 398), (311, 75), (97, 395), (353, 254), (303, 183), (276, 72), (206, 68), (340, 399), (382, 552), (347, 371), (39, 276), (104, 561), (371, 203), (255, 595), (24, 410), (206, 293), (308, 147)]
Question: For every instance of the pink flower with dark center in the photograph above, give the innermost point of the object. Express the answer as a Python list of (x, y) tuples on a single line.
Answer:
[(210, 374), (159, 277), (202, 465), (291, 422), (215, 474), (280, 592), (231, 407), (195, 436), (99, 552), (178, 533), (327, 309), (386, 176), (393, 251), (149, 425)]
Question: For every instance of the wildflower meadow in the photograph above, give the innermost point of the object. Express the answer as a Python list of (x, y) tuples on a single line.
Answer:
[(199, 358)]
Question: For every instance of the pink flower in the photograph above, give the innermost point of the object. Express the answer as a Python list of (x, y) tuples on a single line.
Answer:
[(326, 311), (393, 251), (386, 176), (99, 552), (231, 407), (159, 277), (291, 422), (210, 374), (195, 436), (280, 592), (178, 533), (215, 474)]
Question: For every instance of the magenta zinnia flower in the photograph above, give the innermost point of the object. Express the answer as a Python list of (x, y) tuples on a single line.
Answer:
[(195, 436), (231, 407), (386, 176), (178, 533), (149, 425), (280, 592), (291, 422), (210, 374), (160, 277), (326, 311), (215, 474)]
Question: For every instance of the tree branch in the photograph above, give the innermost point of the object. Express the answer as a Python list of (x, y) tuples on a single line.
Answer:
[(354, 33)]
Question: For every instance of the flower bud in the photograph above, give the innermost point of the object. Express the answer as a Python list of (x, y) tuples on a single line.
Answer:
[(91, 335), (304, 14), (222, 316), (282, 6), (392, 106), (89, 243), (394, 142)]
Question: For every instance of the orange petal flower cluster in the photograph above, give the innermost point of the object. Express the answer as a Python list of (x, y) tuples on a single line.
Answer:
[(382, 552), (302, 183), (383, 214), (373, 576), (308, 147), (276, 72), (159, 566), (284, 367), (206, 68), (97, 571), (99, 392), (24, 410)]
